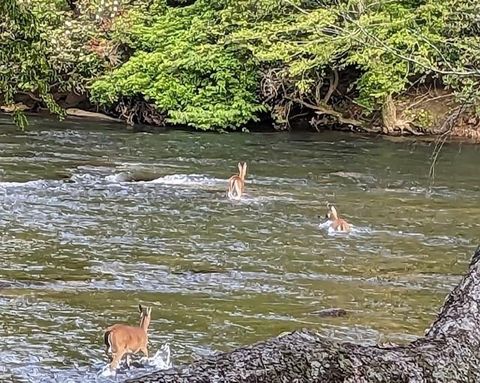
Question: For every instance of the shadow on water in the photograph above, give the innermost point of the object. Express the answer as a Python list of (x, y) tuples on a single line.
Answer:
[(96, 220)]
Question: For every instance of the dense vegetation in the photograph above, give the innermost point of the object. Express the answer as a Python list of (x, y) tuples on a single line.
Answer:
[(221, 64)]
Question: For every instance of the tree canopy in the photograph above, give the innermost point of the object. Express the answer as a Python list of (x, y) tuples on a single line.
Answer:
[(221, 64)]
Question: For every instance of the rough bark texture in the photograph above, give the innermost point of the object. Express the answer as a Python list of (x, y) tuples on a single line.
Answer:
[(449, 352)]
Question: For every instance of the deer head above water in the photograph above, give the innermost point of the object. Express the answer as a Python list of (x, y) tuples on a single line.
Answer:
[(121, 340)]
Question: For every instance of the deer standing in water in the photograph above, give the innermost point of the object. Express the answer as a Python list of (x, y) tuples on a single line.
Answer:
[(121, 339), (336, 223), (236, 183)]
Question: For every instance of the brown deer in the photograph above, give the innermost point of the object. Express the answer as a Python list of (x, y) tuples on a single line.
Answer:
[(121, 339), (236, 183), (336, 223)]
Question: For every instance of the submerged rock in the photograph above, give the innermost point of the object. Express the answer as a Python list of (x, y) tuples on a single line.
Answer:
[(333, 312), (135, 176)]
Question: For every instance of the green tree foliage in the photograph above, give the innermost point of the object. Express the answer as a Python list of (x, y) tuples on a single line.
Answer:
[(389, 45), (220, 64), (24, 65), (207, 63), (182, 66), (44, 51)]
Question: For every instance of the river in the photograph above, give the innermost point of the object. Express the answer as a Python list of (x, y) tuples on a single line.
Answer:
[(82, 245)]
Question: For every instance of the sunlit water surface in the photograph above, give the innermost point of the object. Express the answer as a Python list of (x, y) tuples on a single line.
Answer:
[(82, 245)]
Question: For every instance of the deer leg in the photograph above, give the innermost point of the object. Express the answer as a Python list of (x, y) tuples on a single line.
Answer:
[(238, 189), (128, 360), (116, 358), (145, 351), (109, 353)]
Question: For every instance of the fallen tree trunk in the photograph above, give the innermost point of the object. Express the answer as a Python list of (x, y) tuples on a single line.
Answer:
[(449, 352)]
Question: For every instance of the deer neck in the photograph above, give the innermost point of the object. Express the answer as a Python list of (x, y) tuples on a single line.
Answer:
[(144, 323)]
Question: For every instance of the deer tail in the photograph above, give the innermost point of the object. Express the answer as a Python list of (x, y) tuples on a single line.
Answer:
[(107, 338)]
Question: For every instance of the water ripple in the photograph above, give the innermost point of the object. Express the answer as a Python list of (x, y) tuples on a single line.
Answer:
[(95, 221)]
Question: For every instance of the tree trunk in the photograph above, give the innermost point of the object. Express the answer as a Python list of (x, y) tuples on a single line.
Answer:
[(389, 115), (449, 352)]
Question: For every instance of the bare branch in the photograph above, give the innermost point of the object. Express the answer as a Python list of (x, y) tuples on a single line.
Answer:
[(296, 7), (447, 126), (425, 99), (332, 87), (329, 111)]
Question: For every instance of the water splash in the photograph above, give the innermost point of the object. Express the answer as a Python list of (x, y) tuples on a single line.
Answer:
[(188, 180), (354, 230), (32, 183), (161, 360)]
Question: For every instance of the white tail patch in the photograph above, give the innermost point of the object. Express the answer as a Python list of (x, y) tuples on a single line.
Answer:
[(236, 183)]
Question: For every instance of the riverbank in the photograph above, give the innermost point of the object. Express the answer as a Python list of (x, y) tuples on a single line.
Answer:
[(422, 115)]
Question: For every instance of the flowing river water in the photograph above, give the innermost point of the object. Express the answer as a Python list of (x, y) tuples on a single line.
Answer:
[(82, 244)]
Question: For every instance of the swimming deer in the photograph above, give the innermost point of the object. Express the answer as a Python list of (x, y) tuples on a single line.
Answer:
[(236, 183), (121, 339), (336, 223)]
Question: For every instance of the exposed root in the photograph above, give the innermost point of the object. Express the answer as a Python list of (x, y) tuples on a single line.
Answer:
[(141, 112), (287, 102), (449, 123), (394, 125)]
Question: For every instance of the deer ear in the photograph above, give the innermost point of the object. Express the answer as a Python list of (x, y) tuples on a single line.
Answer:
[(244, 169), (140, 307), (149, 311)]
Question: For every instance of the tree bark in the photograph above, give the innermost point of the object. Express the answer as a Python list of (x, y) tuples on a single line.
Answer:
[(449, 352), (389, 115)]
